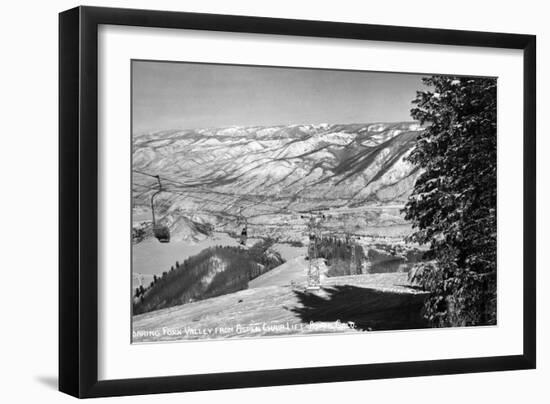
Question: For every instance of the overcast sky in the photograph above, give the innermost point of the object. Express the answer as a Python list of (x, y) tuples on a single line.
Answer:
[(168, 95)]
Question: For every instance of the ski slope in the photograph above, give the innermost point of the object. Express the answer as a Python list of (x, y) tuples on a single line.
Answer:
[(272, 307)]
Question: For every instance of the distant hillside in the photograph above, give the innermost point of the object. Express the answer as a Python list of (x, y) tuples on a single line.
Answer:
[(213, 272), (210, 175)]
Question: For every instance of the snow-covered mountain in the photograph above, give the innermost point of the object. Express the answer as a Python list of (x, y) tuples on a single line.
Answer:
[(217, 176)]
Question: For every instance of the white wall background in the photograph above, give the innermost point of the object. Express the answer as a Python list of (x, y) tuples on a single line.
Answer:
[(28, 170)]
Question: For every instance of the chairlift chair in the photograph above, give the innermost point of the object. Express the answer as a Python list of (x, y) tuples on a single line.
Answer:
[(244, 235), (161, 232), (244, 231)]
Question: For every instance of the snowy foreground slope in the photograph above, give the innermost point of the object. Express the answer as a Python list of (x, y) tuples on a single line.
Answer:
[(270, 173), (272, 307)]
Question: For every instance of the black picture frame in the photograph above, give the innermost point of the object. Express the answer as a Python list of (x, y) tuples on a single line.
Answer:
[(78, 201)]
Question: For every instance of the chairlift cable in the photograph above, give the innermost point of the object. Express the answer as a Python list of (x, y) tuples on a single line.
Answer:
[(247, 197)]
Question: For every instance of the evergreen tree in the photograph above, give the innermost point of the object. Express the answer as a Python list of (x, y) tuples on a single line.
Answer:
[(453, 204)]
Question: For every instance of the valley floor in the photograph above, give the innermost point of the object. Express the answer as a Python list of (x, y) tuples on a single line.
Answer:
[(275, 306)]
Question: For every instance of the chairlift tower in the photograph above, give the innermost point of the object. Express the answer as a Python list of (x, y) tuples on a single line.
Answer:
[(353, 260), (314, 234), (351, 242)]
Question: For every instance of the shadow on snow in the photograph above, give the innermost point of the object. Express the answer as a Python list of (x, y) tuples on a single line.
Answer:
[(369, 309)]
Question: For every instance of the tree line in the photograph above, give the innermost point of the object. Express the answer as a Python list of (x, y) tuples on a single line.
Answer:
[(213, 272)]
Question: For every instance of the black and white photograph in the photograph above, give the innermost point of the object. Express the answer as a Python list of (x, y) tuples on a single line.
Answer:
[(272, 201)]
